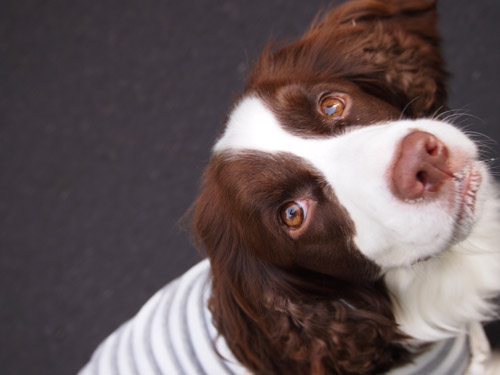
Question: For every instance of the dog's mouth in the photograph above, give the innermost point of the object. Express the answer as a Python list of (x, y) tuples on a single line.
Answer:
[(467, 185), (421, 260)]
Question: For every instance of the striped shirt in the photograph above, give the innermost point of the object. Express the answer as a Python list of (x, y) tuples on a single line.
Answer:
[(173, 334)]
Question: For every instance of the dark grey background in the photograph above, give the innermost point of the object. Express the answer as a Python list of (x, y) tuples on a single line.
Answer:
[(108, 110)]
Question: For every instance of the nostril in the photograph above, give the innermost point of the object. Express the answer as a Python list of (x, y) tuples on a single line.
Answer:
[(434, 147), (421, 177), (432, 151)]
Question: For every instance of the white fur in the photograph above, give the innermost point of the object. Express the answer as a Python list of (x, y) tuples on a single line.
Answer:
[(434, 299)]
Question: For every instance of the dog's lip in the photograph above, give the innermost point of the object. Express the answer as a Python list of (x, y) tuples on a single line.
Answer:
[(468, 183), (422, 259)]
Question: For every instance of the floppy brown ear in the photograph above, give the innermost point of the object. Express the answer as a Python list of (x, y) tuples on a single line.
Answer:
[(388, 47), (399, 43), (287, 321)]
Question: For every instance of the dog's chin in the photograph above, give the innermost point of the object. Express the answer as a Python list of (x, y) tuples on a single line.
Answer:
[(466, 194)]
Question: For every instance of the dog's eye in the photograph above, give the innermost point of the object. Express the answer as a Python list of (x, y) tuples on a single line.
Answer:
[(332, 107), (293, 214)]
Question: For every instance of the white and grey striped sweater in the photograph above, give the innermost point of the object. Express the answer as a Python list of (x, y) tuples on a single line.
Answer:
[(173, 335)]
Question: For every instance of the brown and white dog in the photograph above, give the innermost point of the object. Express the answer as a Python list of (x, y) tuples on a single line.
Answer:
[(348, 225), (346, 221)]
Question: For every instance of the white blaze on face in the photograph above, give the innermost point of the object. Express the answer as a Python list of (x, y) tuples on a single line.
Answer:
[(357, 166)]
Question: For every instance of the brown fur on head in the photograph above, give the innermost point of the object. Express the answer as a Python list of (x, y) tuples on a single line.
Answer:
[(313, 305), (389, 48)]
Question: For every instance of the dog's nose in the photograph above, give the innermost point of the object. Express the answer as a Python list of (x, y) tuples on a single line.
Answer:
[(421, 166)]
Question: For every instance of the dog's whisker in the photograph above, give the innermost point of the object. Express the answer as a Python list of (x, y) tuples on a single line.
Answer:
[(452, 117), (408, 106), (442, 116), (436, 113), (466, 115)]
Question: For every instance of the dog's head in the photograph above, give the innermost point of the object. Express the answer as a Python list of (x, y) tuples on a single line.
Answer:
[(331, 160), (334, 162)]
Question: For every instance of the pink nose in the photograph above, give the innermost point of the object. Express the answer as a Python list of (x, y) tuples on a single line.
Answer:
[(421, 166)]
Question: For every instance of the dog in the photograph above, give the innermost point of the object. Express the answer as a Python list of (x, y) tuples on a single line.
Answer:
[(349, 227)]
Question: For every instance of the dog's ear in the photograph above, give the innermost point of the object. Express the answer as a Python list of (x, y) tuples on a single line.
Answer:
[(287, 321), (388, 47), (396, 42)]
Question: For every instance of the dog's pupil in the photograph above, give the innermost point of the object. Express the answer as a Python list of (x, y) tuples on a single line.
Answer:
[(331, 110), (291, 212), (293, 215)]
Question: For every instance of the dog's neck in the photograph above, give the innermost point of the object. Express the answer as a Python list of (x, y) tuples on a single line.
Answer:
[(435, 300)]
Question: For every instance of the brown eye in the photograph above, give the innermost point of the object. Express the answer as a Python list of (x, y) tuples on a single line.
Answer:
[(293, 214), (332, 107)]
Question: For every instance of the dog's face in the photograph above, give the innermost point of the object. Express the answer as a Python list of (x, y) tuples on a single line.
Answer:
[(330, 160), (347, 186)]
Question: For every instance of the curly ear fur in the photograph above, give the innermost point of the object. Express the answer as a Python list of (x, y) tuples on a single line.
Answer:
[(390, 48), (288, 321)]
